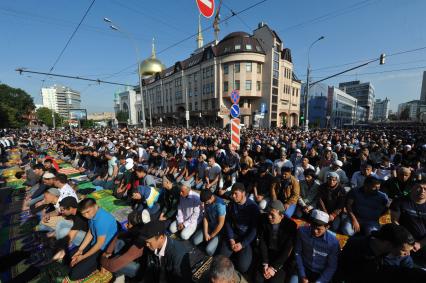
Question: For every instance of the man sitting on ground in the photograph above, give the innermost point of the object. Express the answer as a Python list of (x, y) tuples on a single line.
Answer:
[(189, 212), (102, 229)]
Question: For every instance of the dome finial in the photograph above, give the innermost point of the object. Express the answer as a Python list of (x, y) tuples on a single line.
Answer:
[(153, 48)]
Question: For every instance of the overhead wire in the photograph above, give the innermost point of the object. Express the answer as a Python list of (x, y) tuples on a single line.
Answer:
[(72, 36), (195, 34)]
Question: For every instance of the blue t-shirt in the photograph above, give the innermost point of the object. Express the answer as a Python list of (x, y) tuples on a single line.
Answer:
[(368, 207), (213, 211), (103, 224)]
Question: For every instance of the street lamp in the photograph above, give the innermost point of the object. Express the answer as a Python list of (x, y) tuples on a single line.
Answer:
[(307, 85), (147, 67)]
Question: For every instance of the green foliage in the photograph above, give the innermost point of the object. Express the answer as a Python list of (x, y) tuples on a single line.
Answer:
[(45, 115), (87, 124), (122, 116), (14, 103)]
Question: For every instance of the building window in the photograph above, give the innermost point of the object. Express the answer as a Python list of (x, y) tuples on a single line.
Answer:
[(248, 67), (225, 86), (225, 69), (258, 85), (259, 68), (248, 85), (237, 84), (249, 47), (237, 47), (196, 106), (190, 106), (237, 67), (211, 87), (206, 105)]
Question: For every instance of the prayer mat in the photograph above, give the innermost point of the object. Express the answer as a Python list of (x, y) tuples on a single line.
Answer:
[(95, 277)]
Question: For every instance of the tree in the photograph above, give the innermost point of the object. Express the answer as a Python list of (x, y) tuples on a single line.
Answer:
[(14, 103), (45, 115), (87, 123), (405, 114), (122, 116)]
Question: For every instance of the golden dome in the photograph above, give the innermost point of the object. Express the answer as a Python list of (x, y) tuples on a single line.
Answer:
[(152, 65)]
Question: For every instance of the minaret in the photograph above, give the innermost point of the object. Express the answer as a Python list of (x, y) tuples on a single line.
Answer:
[(200, 41), (153, 49)]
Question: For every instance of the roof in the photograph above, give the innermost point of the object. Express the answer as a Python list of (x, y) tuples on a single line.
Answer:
[(238, 42), (229, 44), (286, 55)]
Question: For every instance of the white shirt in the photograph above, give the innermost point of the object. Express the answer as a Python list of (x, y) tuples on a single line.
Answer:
[(278, 164), (162, 251), (66, 191), (298, 173)]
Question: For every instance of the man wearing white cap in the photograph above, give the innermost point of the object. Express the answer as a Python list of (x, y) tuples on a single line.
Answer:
[(336, 166), (126, 182), (316, 251)]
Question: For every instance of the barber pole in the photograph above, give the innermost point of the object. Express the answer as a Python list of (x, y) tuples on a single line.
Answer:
[(235, 133)]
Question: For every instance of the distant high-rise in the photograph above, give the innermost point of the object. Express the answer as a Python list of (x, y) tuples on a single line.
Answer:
[(61, 99), (364, 92), (381, 109), (423, 92)]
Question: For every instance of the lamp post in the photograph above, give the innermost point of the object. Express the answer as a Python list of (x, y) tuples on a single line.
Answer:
[(307, 85), (133, 42), (147, 67)]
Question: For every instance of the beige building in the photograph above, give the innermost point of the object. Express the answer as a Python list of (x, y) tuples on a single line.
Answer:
[(101, 116), (256, 65)]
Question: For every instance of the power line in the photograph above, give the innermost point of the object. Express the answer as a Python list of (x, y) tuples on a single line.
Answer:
[(72, 36), (332, 14), (380, 72), (195, 34), (361, 61), (238, 17), (21, 70)]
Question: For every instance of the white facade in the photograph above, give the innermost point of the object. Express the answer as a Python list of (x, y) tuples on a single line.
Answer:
[(413, 109), (364, 92), (341, 107), (61, 99), (126, 101), (381, 109)]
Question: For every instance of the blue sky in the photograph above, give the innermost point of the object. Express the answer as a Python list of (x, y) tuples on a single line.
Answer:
[(33, 33)]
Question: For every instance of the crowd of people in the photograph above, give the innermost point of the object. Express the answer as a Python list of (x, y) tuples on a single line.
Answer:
[(272, 210)]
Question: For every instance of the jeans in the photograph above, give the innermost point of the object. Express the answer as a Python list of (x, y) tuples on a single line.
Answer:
[(85, 267), (312, 276), (290, 210), (242, 258), (366, 227), (62, 229), (35, 200), (186, 232), (211, 245)]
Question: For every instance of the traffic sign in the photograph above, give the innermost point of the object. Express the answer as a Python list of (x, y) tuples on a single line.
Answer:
[(235, 97), (206, 7), (235, 132), (235, 110)]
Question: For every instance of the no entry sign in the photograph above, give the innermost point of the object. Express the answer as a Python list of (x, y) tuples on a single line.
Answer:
[(206, 7)]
